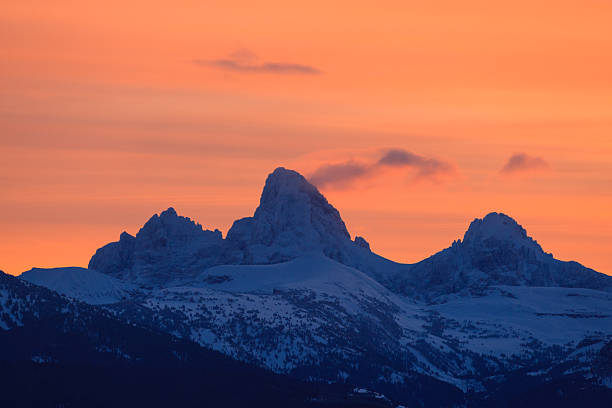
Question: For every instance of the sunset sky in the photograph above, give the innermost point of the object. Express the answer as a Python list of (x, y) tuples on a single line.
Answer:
[(413, 118)]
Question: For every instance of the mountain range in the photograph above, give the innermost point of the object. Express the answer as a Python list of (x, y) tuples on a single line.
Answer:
[(492, 320)]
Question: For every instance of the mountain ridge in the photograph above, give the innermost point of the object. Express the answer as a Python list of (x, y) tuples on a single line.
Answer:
[(293, 218)]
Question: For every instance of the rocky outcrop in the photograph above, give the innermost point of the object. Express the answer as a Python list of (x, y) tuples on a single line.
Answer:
[(293, 218), (495, 250), (167, 248)]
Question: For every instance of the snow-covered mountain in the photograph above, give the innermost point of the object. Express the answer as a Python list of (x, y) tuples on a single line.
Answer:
[(495, 250), (292, 217), (289, 290), (167, 248)]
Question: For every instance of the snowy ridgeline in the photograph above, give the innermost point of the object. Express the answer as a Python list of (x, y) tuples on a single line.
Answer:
[(289, 290)]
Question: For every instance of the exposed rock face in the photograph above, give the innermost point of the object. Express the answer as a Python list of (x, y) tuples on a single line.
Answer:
[(498, 227), (293, 218), (361, 242), (116, 257), (495, 250), (168, 247)]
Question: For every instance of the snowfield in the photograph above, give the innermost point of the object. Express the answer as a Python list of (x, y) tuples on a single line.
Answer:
[(80, 283), (507, 318)]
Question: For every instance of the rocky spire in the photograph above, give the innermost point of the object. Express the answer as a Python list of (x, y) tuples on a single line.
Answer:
[(291, 213)]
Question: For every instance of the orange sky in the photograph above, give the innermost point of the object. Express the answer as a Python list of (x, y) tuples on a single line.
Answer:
[(110, 112)]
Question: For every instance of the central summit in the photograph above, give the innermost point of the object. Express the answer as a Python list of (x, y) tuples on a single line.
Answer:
[(293, 217)]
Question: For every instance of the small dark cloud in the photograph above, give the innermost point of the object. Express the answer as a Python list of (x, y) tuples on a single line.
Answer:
[(399, 158), (522, 163), (245, 61), (341, 175), (425, 166)]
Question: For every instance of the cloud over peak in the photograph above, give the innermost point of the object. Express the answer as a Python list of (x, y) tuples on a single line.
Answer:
[(522, 163), (425, 166), (343, 174), (340, 175)]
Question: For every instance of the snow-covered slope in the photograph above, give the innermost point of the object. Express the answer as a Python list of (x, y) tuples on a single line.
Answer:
[(84, 284), (55, 351), (313, 271), (316, 318), (291, 315), (506, 319)]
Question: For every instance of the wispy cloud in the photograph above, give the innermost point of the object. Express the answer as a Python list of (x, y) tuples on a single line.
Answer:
[(247, 62), (522, 163), (343, 174)]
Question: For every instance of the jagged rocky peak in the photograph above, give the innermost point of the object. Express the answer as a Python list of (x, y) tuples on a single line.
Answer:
[(126, 236), (291, 212), (288, 193), (170, 225), (166, 238), (498, 227), (361, 242), (115, 257)]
